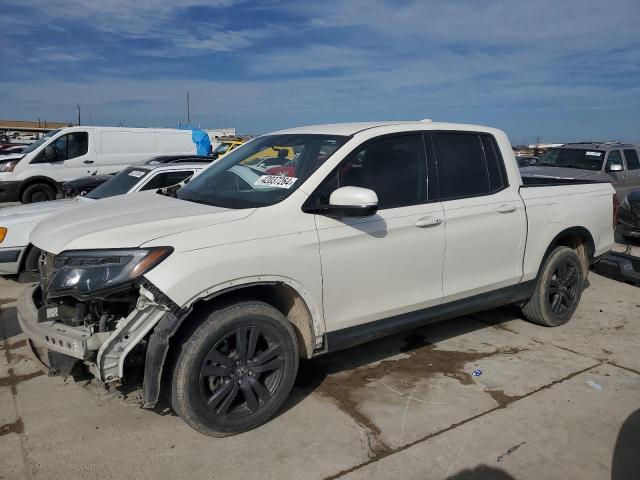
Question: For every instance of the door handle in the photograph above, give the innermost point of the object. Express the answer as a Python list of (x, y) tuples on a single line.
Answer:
[(506, 208), (425, 222), (88, 161)]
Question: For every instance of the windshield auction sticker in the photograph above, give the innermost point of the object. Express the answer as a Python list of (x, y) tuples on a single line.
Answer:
[(278, 181), (136, 173), (594, 154)]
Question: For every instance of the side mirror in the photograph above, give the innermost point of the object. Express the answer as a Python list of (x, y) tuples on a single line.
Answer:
[(614, 167), (353, 202)]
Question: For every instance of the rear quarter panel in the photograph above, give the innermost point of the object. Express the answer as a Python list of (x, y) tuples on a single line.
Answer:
[(552, 209)]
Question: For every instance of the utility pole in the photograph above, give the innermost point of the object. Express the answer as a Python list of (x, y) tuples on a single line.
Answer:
[(188, 110), (78, 115)]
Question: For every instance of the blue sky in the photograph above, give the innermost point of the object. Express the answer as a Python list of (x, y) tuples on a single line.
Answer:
[(564, 70)]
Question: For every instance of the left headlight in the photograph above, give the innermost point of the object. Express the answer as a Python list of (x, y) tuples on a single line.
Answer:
[(8, 166), (81, 273)]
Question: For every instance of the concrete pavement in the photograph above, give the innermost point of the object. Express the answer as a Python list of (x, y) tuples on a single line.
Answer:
[(543, 403)]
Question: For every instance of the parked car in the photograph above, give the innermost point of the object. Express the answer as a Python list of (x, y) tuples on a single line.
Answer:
[(225, 146), (19, 256), (83, 185), (629, 216), (214, 295), (617, 163), (526, 161), (12, 149), (74, 152)]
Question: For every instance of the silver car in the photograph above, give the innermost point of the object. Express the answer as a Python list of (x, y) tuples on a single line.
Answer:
[(617, 163)]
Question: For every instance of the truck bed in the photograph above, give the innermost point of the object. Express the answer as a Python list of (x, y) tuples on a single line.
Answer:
[(552, 181)]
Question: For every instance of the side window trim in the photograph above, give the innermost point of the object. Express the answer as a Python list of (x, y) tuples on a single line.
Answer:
[(502, 169), (310, 206)]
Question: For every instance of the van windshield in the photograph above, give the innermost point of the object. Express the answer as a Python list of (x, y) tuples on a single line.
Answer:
[(119, 184), (39, 142), (261, 172), (580, 158)]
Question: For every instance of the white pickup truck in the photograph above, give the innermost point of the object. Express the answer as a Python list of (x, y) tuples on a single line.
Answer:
[(373, 228)]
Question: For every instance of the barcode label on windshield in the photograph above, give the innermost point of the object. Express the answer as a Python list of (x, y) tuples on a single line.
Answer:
[(278, 181), (594, 154)]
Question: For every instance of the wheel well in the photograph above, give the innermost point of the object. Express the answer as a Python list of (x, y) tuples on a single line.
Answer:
[(23, 260), (33, 180), (283, 297), (578, 239)]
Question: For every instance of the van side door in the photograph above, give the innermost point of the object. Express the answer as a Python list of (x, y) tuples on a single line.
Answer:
[(485, 221), (68, 157), (388, 264)]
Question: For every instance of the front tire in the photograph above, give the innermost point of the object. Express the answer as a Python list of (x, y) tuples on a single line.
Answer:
[(558, 290), (38, 192), (235, 370)]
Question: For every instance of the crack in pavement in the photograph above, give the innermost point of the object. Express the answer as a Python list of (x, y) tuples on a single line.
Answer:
[(423, 361), (508, 400)]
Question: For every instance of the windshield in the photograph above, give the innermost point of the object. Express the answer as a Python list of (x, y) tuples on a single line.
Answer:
[(572, 158), (119, 184), (37, 143), (223, 147), (262, 172)]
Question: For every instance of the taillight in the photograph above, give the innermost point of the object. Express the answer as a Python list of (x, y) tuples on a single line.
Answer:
[(616, 209)]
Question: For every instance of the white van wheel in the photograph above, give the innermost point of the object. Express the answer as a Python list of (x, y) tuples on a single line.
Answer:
[(38, 192)]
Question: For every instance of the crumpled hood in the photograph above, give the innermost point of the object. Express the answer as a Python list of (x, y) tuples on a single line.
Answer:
[(126, 221), (560, 172), (35, 211)]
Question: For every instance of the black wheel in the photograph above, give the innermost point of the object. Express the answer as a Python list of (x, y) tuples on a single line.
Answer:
[(30, 271), (558, 291), (38, 192), (236, 369)]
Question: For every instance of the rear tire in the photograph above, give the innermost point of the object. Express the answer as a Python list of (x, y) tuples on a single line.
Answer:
[(235, 370), (38, 192), (558, 291), (30, 271)]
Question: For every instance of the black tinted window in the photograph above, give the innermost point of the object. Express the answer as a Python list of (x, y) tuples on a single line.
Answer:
[(394, 168), (119, 184), (633, 163), (77, 144), (462, 168), (167, 179), (65, 147)]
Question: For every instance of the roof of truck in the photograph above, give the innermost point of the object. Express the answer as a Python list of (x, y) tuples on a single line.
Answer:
[(349, 129), (168, 159), (598, 145)]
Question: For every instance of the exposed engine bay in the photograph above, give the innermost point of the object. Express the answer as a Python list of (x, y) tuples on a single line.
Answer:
[(101, 310)]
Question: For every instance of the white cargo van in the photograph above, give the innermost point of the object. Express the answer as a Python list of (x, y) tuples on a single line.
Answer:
[(73, 152)]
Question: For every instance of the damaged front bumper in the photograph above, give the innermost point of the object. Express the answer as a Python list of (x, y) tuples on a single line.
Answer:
[(57, 345)]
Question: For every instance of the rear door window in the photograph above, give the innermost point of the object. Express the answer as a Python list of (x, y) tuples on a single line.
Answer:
[(633, 163), (461, 165)]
